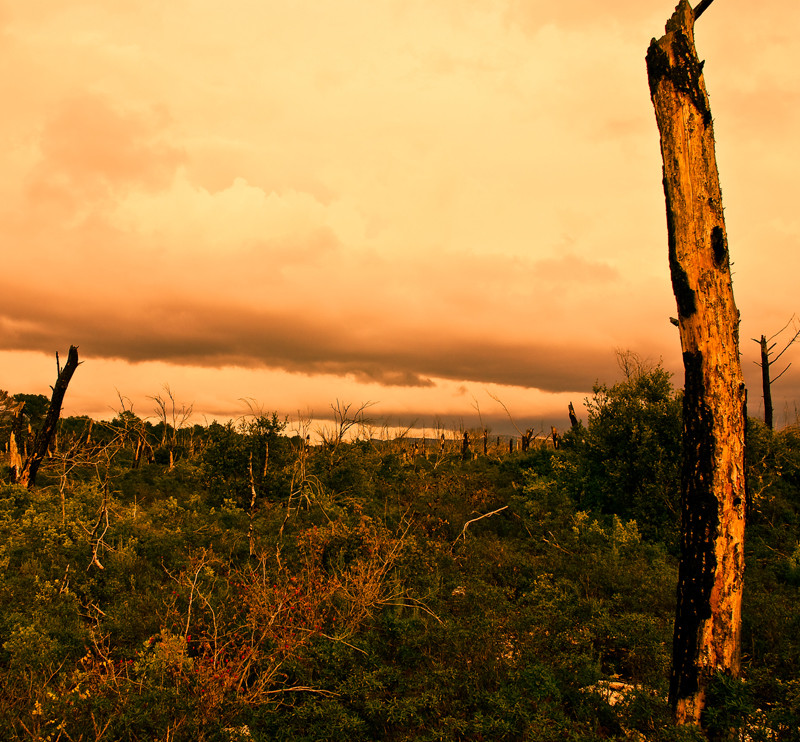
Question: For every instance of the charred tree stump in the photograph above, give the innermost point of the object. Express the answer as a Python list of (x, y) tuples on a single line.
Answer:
[(573, 418), (466, 451), (27, 475), (710, 577)]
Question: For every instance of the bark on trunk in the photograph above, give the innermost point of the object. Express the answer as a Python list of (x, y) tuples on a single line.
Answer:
[(710, 578), (14, 458), (766, 383), (27, 476), (14, 455)]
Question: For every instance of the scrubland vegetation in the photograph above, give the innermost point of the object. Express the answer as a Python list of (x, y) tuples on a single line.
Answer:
[(231, 582)]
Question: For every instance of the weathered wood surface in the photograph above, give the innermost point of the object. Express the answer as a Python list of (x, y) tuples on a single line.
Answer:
[(710, 580)]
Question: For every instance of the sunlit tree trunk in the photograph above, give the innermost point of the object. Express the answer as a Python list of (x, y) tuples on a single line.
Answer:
[(710, 579), (16, 435)]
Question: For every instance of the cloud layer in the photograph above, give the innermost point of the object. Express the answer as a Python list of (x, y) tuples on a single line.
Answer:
[(405, 198)]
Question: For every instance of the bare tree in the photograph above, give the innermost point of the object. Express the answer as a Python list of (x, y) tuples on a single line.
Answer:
[(708, 619), (484, 429), (766, 364), (632, 365), (27, 474), (527, 436), (173, 419), (133, 429), (345, 418)]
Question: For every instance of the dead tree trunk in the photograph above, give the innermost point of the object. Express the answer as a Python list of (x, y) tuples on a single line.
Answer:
[(14, 455), (710, 577), (466, 452), (573, 418), (766, 384), (766, 364), (27, 475)]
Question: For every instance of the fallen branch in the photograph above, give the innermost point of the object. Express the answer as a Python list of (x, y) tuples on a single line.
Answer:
[(554, 544), (301, 689), (480, 517)]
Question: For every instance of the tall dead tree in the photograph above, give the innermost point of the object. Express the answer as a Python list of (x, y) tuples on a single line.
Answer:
[(766, 363), (710, 577), (27, 474), (766, 383)]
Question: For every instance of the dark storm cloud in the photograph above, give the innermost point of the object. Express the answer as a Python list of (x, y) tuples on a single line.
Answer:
[(294, 341)]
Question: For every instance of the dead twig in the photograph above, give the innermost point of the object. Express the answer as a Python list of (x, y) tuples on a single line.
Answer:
[(701, 7), (474, 520)]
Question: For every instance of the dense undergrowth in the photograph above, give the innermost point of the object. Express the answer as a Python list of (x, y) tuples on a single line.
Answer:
[(244, 585)]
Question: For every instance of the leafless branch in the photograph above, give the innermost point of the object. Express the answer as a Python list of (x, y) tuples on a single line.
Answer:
[(775, 378), (474, 520), (502, 404), (701, 7)]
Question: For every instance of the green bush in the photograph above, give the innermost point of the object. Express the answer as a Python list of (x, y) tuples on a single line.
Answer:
[(364, 596), (627, 461)]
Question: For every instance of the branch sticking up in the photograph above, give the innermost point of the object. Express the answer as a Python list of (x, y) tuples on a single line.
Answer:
[(27, 476), (700, 8)]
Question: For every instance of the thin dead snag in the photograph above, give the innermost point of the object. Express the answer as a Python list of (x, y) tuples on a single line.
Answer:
[(766, 382), (710, 578), (27, 475), (767, 346)]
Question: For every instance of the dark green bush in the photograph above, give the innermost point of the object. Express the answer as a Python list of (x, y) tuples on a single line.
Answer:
[(364, 596)]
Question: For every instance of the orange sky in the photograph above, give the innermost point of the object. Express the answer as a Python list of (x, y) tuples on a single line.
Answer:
[(414, 203)]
